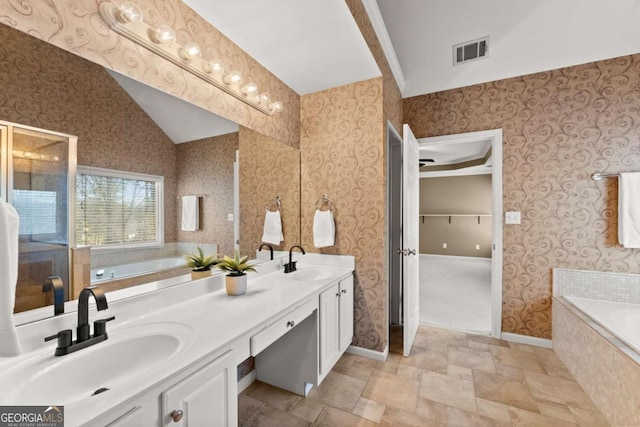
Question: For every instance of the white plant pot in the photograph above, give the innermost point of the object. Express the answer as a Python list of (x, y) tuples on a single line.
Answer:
[(236, 285)]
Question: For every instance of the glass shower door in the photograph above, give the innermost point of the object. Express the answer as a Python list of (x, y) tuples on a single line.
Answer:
[(38, 182)]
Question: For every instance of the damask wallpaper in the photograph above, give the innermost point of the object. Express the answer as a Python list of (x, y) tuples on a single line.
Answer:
[(342, 147), (205, 167), (558, 128), (268, 169), (76, 26), (392, 98)]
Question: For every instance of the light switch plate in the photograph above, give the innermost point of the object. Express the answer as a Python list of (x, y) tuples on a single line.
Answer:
[(229, 217), (512, 217)]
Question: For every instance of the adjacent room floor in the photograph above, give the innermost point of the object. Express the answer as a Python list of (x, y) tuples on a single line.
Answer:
[(450, 379), (455, 292)]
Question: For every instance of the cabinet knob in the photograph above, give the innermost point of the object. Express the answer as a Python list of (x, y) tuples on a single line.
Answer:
[(291, 324), (344, 291), (338, 294), (176, 415)]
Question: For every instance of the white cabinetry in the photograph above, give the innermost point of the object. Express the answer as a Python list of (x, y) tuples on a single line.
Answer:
[(336, 323), (207, 397), (204, 396)]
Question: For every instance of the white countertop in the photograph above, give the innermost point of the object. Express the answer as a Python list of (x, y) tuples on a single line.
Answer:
[(216, 320)]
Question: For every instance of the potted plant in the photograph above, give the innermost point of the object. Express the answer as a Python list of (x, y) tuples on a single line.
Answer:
[(200, 264), (236, 267)]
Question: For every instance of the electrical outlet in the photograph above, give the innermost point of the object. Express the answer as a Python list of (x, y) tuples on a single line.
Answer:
[(477, 247), (444, 246), (512, 217), (229, 217)]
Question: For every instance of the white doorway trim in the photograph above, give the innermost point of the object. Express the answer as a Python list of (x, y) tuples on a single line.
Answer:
[(495, 136)]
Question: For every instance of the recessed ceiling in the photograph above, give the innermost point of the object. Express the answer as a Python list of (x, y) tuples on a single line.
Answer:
[(179, 120), (309, 45), (453, 152), (526, 37)]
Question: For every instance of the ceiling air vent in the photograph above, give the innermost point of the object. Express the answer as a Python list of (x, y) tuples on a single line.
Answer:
[(471, 50)]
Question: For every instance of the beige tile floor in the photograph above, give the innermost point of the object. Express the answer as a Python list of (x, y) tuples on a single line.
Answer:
[(450, 379)]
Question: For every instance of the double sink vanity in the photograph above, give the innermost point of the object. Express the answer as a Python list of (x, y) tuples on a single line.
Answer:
[(171, 355)]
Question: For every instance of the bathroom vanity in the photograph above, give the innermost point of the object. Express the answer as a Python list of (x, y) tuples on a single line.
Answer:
[(172, 355)]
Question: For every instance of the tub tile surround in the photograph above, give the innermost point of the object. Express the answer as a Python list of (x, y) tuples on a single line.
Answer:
[(414, 392), (199, 305), (618, 287), (606, 367), (599, 362)]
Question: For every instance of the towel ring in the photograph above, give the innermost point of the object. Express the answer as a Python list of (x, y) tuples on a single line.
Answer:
[(274, 202), (324, 199)]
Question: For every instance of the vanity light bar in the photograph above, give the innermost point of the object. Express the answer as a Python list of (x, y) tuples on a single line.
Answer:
[(127, 21)]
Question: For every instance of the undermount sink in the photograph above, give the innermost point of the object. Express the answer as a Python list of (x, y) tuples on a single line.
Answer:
[(128, 354), (310, 274)]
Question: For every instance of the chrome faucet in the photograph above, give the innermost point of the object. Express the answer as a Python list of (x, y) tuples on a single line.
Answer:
[(55, 285), (270, 249), (290, 267), (83, 333)]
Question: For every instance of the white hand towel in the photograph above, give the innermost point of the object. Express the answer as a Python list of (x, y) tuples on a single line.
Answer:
[(324, 229), (272, 228), (190, 213), (9, 223), (629, 210)]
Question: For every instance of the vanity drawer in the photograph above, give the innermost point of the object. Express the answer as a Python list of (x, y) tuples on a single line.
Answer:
[(271, 333)]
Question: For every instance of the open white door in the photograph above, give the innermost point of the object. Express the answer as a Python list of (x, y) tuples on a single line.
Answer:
[(410, 239)]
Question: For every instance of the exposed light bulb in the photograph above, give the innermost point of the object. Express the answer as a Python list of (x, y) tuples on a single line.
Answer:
[(190, 50), (129, 12), (233, 77), (164, 33), (213, 66), (55, 158), (265, 98), (249, 89), (27, 154), (276, 106)]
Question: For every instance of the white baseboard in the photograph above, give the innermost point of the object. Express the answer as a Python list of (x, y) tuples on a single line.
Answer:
[(246, 381), (525, 339), (371, 354)]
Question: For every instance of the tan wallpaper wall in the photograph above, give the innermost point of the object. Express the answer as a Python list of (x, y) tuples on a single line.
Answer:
[(391, 96), (206, 167), (77, 27), (342, 149), (49, 88), (267, 169), (456, 195), (559, 127)]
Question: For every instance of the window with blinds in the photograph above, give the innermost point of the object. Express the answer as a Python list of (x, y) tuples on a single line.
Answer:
[(37, 211), (116, 209)]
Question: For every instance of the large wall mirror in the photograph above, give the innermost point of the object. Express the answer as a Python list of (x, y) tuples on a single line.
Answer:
[(129, 138)]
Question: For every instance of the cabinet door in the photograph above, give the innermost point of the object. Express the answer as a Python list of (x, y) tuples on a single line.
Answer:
[(133, 418), (329, 328), (208, 397), (346, 313)]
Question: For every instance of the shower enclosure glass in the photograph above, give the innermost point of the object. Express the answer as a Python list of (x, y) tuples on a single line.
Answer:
[(38, 179)]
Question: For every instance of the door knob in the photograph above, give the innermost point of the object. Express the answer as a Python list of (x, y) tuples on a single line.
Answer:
[(176, 415), (411, 252), (402, 252)]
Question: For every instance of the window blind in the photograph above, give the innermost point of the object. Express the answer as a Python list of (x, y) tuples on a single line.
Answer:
[(117, 211), (37, 211)]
